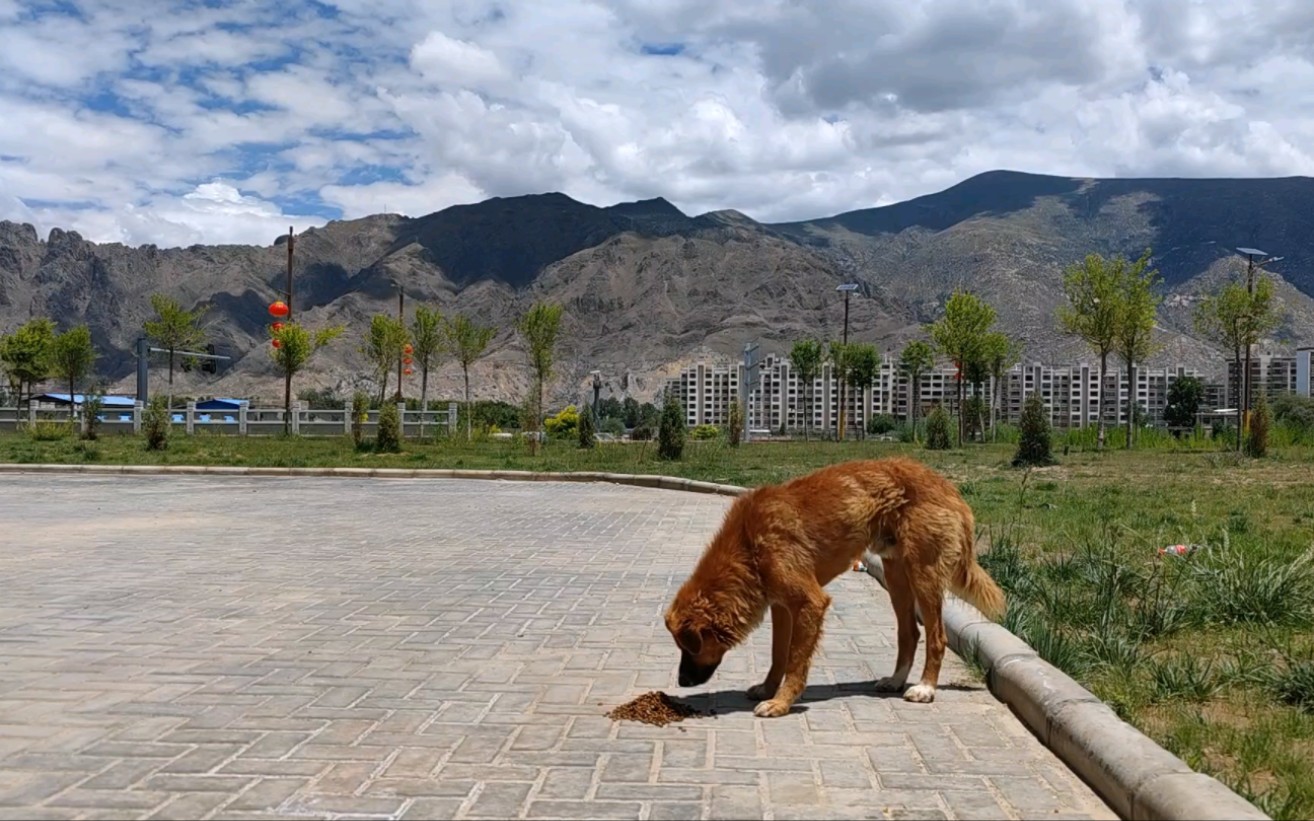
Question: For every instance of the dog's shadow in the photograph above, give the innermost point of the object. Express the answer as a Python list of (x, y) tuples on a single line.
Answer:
[(724, 702)]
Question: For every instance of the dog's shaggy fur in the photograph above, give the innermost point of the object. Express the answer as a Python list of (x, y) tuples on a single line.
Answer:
[(781, 544)]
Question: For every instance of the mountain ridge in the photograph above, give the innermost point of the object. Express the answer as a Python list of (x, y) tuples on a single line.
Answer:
[(647, 287)]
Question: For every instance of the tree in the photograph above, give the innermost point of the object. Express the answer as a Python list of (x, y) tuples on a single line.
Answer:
[(72, 357), (918, 358), (174, 329), (295, 347), (428, 343), (1093, 288), (584, 427), (383, 347), (670, 434), (26, 356), (467, 341), (999, 353), (1033, 447), (960, 335), (389, 435), (1236, 318), (805, 356), (735, 424), (937, 429), (540, 326), (864, 363), (1138, 308), (1185, 395), (838, 354), (1257, 441)]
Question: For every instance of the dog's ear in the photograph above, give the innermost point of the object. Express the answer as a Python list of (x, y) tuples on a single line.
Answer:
[(690, 640)]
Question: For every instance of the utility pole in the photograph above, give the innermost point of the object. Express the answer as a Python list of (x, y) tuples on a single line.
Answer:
[(287, 374), (291, 241), (1243, 403), (847, 288)]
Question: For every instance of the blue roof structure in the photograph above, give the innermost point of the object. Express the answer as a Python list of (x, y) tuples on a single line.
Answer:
[(78, 398), (222, 404)]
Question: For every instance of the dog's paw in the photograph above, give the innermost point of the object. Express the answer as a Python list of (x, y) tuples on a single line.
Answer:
[(890, 684), (759, 692), (771, 709), (920, 693)]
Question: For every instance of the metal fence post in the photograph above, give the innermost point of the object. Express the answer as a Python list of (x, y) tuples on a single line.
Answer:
[(190, 418), (241, 419)]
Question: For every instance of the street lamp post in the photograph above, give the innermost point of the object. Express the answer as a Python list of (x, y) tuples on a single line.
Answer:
[(1243, 404), (847, 288)]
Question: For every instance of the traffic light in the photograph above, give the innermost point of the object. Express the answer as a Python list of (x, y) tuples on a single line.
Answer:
[(209, 365)]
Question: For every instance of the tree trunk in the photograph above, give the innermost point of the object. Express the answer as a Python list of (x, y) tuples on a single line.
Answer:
[(1099, 411), (171, 381), (916, 401), (469, 423), (287, 402), (1131, 401), (424, 393), (962, 417)]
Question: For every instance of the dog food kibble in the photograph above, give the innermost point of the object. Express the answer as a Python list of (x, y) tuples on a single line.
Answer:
[(655, 708)]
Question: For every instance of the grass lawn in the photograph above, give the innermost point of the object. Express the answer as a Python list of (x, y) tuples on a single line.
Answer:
[(1211, 654)]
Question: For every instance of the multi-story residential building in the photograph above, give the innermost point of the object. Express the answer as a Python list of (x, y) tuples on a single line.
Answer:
[(779, 400), (1304, 371), (1270, 373)]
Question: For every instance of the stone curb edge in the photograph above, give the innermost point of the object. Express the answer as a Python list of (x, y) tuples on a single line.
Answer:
[(1134, 775)]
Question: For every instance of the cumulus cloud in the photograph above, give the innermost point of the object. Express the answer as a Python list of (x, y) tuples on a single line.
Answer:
[(191, 122)]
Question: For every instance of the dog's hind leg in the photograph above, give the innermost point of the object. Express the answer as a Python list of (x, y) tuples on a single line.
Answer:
[(809, 613), (930, 600), (782, 630), (905, 615)]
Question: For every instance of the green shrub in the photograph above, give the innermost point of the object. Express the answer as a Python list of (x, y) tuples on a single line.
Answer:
[(937, 429), (360, 408), (388, 438), (703, 433), (735, 427), (48, 430), (91, 408), (881, 424), (642, 432), (155, 423), (612, 425), (670, 434), (564, 425), (1033, 446), (584, 427)]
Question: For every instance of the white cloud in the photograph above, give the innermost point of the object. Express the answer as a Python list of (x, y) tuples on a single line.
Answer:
[(779, 109)]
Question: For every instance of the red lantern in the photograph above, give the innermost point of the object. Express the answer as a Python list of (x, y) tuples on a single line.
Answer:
[(408, 350), (408, 371), (276, 327), (279, 309), (407, 360), (276, 343)]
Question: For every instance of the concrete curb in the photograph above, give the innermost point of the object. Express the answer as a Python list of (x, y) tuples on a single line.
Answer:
[(1135, 776)]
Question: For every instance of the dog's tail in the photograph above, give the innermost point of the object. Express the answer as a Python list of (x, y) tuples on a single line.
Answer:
[(973, 584)]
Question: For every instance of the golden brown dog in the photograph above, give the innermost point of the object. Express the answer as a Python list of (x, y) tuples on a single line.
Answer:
[(781, 544)]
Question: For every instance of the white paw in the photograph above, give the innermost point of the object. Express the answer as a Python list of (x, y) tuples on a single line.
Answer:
[(920, 693), (771, 709), (760, 691), (890, 684)]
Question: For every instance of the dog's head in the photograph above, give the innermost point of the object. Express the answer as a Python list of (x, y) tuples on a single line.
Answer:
[(702, 646)]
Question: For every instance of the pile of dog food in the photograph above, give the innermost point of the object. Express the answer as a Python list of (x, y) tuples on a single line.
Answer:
[(654, 708)]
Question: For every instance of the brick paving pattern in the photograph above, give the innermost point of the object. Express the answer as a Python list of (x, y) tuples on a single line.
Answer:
[(193, 647)]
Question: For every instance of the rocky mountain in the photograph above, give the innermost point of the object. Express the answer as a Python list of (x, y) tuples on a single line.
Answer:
[(648, 288)]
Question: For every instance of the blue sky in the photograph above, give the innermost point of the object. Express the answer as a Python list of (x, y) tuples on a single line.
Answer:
[(182, 121)]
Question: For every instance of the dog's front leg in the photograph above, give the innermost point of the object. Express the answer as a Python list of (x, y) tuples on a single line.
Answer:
[(809, 616), (782, 630)]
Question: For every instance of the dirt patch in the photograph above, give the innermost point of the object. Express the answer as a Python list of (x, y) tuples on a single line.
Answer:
[(654, 708)]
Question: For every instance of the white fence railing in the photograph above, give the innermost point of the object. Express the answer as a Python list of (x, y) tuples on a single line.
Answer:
[(244, 421)]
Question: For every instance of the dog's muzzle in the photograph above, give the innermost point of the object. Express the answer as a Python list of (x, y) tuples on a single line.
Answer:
[(691, 674)]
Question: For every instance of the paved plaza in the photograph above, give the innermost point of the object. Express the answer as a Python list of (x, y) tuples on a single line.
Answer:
[(215, 647)]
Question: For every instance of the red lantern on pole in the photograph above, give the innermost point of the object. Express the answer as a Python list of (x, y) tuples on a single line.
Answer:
[(408, 371), (408, 350), (278, 309), (276, 343), (407, 360), (276, 327)]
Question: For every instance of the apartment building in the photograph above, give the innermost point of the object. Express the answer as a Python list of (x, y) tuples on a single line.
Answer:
[(1270, 374), (780, 400), (1304, 368)]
